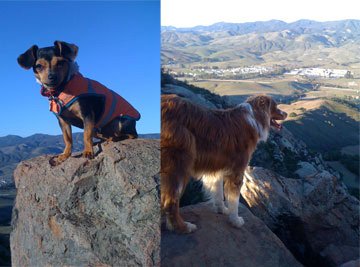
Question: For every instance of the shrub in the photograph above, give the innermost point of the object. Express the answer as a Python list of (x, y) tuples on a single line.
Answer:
[(333, 155), (302, 109)]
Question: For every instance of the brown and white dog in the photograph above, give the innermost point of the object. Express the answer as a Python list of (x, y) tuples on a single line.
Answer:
[(213, 144)]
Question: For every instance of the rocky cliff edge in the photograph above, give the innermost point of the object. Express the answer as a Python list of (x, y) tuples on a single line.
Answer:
[(100, 212)]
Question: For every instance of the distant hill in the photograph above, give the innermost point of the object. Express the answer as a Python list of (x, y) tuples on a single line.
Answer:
[(301, 43), (14, 149), (323, 124)]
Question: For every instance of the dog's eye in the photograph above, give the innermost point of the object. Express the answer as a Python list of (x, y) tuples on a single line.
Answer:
[(38, 67)]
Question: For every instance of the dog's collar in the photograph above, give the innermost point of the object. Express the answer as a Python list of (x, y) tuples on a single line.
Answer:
[(51, 93)]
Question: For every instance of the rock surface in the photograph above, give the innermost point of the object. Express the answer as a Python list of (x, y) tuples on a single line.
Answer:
[(306, 170), (315, 216), (100, 212), (198, 96), (312, 212), (216, 243), (288, 156)]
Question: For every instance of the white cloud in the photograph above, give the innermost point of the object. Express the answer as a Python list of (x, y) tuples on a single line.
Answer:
[(188, 13)]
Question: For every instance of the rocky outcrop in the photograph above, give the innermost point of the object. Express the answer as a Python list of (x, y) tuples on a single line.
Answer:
[(288, 156), (182, 91), (314, 216), (217, 243), (100, 212), (306, 169), (312, 212)]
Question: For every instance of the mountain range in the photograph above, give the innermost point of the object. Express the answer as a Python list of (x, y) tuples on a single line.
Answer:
[(301, 43), (14, 149)]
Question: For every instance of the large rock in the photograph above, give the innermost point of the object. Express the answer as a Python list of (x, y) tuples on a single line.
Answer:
[(288, 156), (306, 170), (315, 216), (100, 212), (217, 243)]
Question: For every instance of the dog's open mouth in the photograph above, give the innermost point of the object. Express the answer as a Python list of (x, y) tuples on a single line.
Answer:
[(276, 125)]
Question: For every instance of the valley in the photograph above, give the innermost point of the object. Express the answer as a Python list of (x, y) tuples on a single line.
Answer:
[(323, 113), (311, 68)]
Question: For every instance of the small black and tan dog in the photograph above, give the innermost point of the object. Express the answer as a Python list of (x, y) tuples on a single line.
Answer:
[(78, 101)]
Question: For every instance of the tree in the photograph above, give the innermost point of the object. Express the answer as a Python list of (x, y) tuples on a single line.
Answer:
[(349, 75)]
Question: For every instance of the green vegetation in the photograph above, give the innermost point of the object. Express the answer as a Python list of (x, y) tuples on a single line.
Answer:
[(292, 115), (351, 162), (329, 127), (264, 156), (352, 104)]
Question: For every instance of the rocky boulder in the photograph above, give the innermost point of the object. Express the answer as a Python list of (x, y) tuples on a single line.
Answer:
[(314, 216), (217, 243), (306, 169), (288, 156), (100, 212)]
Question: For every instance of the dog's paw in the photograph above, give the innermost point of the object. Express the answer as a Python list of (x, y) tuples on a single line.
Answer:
[(190, 227), (236, 221), (88, 154), (221, 209), (185, 228), (54, 161)]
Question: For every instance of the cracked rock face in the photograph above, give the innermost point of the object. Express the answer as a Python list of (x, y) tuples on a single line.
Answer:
[(100, 212)]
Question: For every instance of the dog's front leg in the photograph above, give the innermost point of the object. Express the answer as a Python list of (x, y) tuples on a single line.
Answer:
[(67, 135), (232, 188), (89, 123)]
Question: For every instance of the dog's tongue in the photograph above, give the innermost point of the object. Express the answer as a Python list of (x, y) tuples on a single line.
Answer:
[(274, 124)]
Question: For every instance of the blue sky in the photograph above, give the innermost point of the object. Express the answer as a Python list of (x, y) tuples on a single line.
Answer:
[(119, 46)]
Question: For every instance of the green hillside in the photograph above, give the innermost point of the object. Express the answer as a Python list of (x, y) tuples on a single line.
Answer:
[(330, 127), (324, 125), (325, 130)]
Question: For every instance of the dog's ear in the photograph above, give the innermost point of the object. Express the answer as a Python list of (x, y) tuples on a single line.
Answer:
[(260, 102), (28, 59), (67, 50), (264, 101)]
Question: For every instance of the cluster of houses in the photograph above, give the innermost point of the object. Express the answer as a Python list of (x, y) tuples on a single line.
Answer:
[(198, 72), (228, 71), (319, 72)]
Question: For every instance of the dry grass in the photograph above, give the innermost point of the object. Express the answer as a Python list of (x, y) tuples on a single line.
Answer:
[(272, 86)]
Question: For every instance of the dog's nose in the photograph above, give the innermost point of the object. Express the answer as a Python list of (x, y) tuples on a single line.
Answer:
[(52, 77)]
